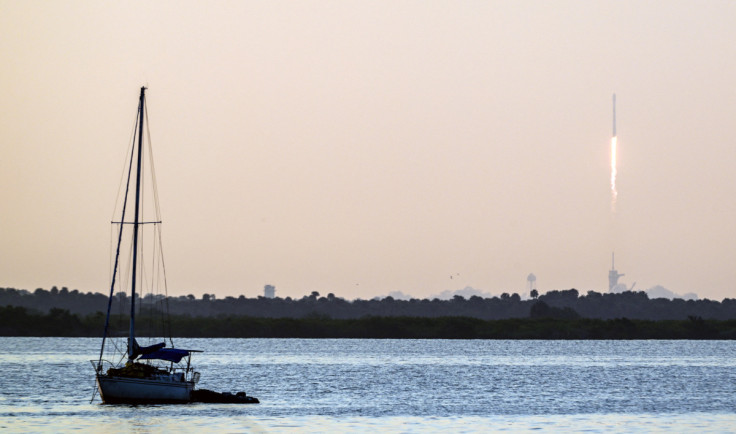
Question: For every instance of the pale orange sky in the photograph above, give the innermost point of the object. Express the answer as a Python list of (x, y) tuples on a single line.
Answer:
[(366, 147)]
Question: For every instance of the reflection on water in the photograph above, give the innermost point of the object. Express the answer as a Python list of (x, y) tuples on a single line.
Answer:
[(318, 424), (391, 385)]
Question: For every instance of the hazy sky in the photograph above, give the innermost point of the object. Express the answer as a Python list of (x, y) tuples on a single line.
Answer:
[(363, 147)]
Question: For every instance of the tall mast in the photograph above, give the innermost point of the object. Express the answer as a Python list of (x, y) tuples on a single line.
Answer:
[(136, 221)]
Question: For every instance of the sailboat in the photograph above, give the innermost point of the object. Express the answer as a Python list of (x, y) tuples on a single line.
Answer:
[(128, 372)]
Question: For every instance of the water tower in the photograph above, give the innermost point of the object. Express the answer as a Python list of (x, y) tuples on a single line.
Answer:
[(532, 279), (269, 291)]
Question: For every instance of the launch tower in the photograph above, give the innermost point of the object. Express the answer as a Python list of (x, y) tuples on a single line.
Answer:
[(613, 275)]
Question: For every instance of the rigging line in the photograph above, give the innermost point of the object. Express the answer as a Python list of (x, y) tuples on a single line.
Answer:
[(141, 233), (149, 277), (109, 248), (122, 356), (117, 255), (158, 231), (118, 350), (142, 281), (156, 307), (125, 282), (160, 279), (94, 393), (165, 282), (129, 266), (167, 322), (156, 203), (131, 146), (153, 168)]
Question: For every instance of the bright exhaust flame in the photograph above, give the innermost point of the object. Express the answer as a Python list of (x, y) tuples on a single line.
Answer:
[(614, 193)]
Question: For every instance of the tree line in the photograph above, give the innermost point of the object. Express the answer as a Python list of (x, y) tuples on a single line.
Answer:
[(19, 321), (564, 304)]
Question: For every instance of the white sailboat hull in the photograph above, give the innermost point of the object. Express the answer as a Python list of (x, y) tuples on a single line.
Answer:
[(124, 390)]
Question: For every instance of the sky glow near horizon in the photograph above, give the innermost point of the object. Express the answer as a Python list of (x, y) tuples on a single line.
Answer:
[(361, 148)]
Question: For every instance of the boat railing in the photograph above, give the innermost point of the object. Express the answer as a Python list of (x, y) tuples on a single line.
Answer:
[(99, 365), (102, 366)]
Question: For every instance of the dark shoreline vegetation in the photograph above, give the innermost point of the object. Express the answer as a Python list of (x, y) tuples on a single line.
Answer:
[(18, 321), (554, 315), (556, 304)]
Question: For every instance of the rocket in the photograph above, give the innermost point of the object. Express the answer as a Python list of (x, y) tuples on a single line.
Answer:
[(614, 115)]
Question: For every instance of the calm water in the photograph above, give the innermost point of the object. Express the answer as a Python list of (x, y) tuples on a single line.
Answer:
[(392, 385)]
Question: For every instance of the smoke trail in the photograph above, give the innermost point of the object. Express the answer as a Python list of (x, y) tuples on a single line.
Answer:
[(614, 193)]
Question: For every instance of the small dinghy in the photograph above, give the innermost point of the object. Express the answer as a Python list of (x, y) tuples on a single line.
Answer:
[(209, 396)]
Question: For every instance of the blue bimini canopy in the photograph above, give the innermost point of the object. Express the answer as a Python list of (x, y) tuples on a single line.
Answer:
[(171, 354)]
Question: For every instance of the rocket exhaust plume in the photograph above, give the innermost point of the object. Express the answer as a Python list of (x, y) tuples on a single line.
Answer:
[(614, 115), (614, 193)]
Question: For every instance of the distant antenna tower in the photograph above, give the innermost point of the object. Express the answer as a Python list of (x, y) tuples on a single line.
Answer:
[(532, 279), (613, 275)]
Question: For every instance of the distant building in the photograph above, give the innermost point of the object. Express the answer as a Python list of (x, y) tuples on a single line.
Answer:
[(269, 291)]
